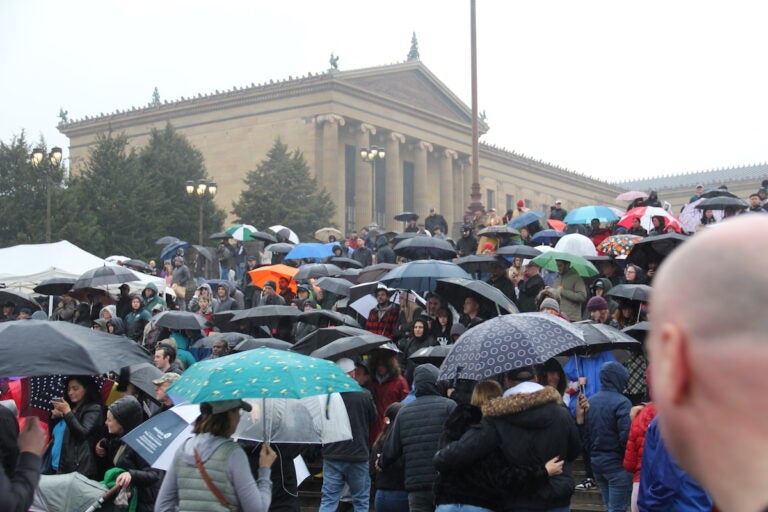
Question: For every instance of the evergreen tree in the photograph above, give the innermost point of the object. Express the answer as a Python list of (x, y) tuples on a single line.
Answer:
[(281, 191)]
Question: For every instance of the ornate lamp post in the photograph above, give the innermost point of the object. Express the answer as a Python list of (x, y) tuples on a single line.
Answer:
[(201, 189), (54, 161), (373, 155)]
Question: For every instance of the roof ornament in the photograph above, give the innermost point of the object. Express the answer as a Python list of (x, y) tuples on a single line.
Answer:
[(413, 54), (155, 98), (334, 62), (63, 115)]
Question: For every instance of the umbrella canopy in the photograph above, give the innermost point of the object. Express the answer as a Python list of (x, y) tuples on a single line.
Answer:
[(639, 331), (180, 320), (55, 286), (165, 240), (141, 375), (654, 249), (285, 233), (316, 316), (265, 313), (139, 265), (232, 339), (492, 301), (204, 252), (323, 336), (310, 250), (104, 276), (39, 347), (422, 275), (618, 245), (556, 224), (518, 251), (374, 272), (509, 342), (545, 236), (641, 292), (324, 234), (317, 270), (690, 217), (425, 248), (631, 195), (261, 373), (222, 235), (498, 231), (646, 214), (22, 300), (406, 234), (602, 337), (345, 263), (525, 219), (350, 346), (721, 203), (549, 259), (576, 244), (585, 214), (431, 355), (280, 248), (169, 251), (242, 232), (261, 275), (254, 343), (716, 192), (481, 263), (157, 439), (335, 285), (406, 216)]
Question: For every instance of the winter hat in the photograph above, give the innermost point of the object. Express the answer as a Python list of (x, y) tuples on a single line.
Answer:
[(596, 304), (549, 303), (271, 284), (520, 203), (346, 364)]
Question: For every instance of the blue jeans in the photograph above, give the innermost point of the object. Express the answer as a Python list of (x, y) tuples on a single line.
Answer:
[(355, 474), (391, 501), (459, 507), (615, 488)]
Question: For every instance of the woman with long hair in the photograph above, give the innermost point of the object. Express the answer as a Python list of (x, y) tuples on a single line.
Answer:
[(391, 495), (442, 329), (387, 385), (211, 472), (419, 339), (77, 421)]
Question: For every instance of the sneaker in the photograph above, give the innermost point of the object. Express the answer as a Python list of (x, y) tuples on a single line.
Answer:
[(587, 483)]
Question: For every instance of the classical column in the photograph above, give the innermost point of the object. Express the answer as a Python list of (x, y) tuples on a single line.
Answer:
[(446, 186), (363, 178), (420, 182), (467, 183), (332, 170), (394, 177), (459, 189)]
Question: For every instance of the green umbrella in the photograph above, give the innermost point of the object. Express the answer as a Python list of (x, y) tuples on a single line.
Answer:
[(261, 373), (548, 260)]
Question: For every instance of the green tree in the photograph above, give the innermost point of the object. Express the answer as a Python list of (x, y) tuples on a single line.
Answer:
[(281, 191)]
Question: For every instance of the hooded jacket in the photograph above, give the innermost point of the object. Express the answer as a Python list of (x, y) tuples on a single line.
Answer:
[(417, 430), (529, 429), (384, 253), (606, 423), (573, 295), (151, 300)]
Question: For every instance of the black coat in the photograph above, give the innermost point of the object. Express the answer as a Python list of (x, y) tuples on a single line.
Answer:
[(144, 477), (529, 289), (84, 428), (362, 414)]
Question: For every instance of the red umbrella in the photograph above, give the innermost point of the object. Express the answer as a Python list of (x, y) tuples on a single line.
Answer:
[(556, 224), (645, 213)]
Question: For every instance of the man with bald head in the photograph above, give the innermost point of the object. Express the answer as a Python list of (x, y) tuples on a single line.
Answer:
[(709, 358)]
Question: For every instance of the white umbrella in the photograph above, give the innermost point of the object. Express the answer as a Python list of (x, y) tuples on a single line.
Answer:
[(576, 244), (242, 232), (285, 232)]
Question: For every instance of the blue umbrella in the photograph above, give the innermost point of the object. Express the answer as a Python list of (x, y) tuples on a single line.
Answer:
[(585, 214), (169, 251), (545, 236), (310, 250), (422, 275), (525, 219)]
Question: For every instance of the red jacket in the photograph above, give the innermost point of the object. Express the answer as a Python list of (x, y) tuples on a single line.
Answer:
[(633, 455), (384, 394)]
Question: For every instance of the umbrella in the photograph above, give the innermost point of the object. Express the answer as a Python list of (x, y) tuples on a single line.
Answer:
[(323, 336), (279, 248), (334, 285), (324, 234), (310, 250), (406, 216), (509, 342), (690, 217), (646, 213), (261, 275), (374, 272), (141, 375), (141, 266), (721, 203), (654, 248), (264, 313), (602, 337), (264, 237), (422, 275), (169, 251), (406, 234), (525, 219), (363, 289), (631, 195), (222, 235), (431, 355), (585, 214), (517, 251), (350, 275), (242, 232), (576, 244), (548, 260), (232, 339), (545, 236), (641, 292), (315, 316), (254, 343), (425, 248), (261, 373), (638, 331), (105, 275), (498, 231), (480, 263), (493, 302), (345, 263), (165, 240), (55, 286), (556, 224), (350, 346), (366, 303), (618, 245), (22, 300), (157, 439), (180, 320), (316, 270), (204, 252), (716, 192), (285, 233), (39, 347)]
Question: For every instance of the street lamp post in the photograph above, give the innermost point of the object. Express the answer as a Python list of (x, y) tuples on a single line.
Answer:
[(54, 160), (201, 189), (372, 155)]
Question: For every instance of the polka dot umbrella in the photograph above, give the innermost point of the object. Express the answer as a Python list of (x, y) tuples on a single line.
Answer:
[(509, 342)]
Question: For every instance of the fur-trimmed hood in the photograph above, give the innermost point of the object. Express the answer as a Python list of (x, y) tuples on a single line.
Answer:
[(518, 403)]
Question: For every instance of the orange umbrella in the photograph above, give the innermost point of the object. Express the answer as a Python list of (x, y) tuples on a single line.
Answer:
[(556, 224), (261, 275)]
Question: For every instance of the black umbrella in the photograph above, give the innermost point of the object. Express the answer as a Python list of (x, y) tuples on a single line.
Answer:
[(481, 263), (425, 248), (721, 203), (518, 251), (180, 320), (602, 337), (431, 355), (170, 250), (264, 237), (363, 289), (654, 249), (717, 192), (265, 313), (280, 248), (350, 346), (641, 292), (344, 263), (223, 321), (406, 235), (204, 252), (141, 375), (492, 301), (222, 235), (39, 347), (316, 270), (165, 240), (498, 231), (335, 285), (141, 266), (422, 275), (374, 272), (639, 331), (253, 343), (324, 336), (22, 300), (349, 275), (316, 316), (105, 275), (55, 286), (507, 343), (232, 339), (406, 216)]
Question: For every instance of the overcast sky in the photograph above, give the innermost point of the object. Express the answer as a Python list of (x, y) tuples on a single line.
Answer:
[(616, 90)]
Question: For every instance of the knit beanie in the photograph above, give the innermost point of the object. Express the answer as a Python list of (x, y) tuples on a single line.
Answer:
[(596, 304), (549, 303)]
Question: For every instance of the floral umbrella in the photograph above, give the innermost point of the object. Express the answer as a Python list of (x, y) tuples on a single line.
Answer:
[(618, 245)]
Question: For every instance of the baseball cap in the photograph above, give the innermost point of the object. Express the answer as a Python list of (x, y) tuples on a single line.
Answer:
[(226, 405), (166, 377), (346, 364)]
